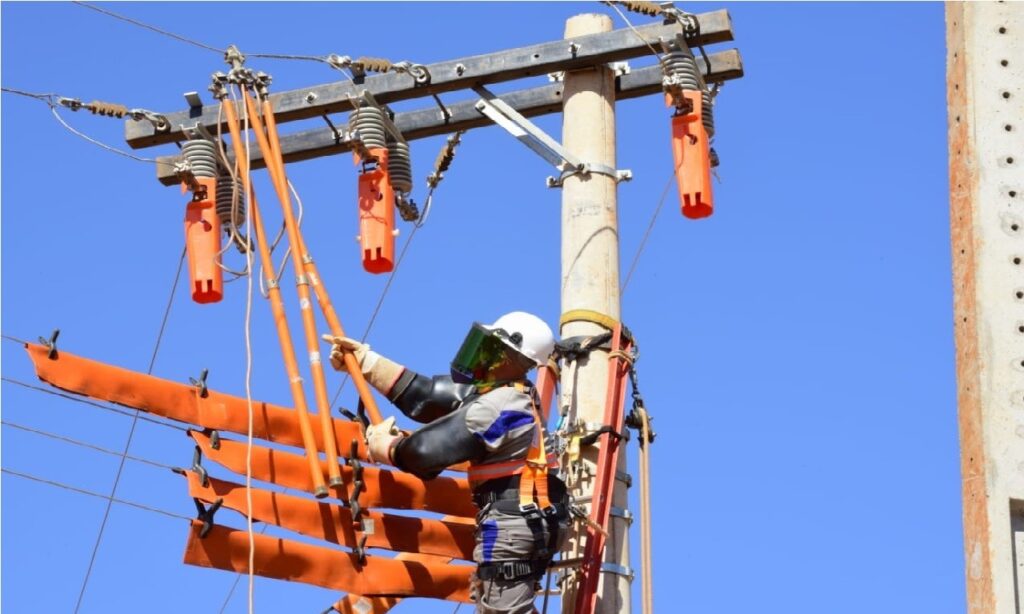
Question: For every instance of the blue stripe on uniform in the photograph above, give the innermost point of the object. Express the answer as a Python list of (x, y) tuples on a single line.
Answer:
[(490, 536), (506, 421)]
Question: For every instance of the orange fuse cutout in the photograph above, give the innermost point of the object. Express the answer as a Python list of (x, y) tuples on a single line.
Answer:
[(202, 241), (691, 151), (377, 214)]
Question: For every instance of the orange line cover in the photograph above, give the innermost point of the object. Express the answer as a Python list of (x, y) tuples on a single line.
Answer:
[(283, 559)]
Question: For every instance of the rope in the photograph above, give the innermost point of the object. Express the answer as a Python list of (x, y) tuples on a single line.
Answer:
[(127, 445), (587, 315), (647, 576), (14, 339), (81, 444), (94, 494), (76, 399), (248, 381)]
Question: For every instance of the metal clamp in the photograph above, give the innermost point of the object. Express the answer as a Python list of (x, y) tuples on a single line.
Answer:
[(620, 512), (51, 344), (625, 478), (619, 570), (160, 123), (201, 383), (197, 467), (205, 514), (591, 168)]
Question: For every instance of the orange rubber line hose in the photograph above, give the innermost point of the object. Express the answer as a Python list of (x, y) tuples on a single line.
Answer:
[(358, 604), (316, 367), (277, 306), (333, 523), (319, 289), (180, 402), (228, 549), (383, 488)]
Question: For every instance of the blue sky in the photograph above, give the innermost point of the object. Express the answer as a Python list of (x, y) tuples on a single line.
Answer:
[(797, 347)]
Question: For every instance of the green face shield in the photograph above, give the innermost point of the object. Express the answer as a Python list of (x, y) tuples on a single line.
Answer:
[(481, 351)]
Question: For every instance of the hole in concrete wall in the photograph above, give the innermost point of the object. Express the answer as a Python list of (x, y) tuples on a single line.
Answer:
[(1019, 294), (1004, 62), (1009, 159), (1002, 29), (1014, 227), (1006, 94), (1012, 193), (1016, 260)]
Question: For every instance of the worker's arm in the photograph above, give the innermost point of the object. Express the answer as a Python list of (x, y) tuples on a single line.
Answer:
[(421, 398), (435, 447)]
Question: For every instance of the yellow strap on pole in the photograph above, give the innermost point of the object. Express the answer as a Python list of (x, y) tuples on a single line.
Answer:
[(587, 315)]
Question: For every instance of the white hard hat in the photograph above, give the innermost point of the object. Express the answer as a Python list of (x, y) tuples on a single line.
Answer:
[(537, 339)]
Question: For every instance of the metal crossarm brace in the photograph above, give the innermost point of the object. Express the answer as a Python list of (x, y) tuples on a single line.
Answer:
[(529, 134), (451, 75), (427, 122)]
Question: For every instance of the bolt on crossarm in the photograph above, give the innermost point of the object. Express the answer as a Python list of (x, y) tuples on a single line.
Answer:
[(277, 307), (319, 289)]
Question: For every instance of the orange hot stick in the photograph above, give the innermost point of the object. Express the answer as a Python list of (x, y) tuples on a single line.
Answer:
[(277, 307), (316, 366), (326, 306)]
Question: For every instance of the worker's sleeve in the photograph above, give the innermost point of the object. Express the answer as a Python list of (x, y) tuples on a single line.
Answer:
[(442, 443), (425, 399)]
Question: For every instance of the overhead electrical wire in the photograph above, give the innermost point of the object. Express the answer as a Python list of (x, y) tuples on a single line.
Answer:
[(647, 233), (94, 494), (81, 444), (128, 442), (84, 401)]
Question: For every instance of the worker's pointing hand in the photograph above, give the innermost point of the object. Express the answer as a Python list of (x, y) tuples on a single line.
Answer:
[(342, 345)]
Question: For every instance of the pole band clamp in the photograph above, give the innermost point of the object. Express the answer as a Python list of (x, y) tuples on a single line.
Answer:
[(619, 570), (620, 512)]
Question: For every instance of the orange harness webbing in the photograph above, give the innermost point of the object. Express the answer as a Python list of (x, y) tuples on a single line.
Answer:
[(283, 559), (333, 523), (382, 488), (533, 470)]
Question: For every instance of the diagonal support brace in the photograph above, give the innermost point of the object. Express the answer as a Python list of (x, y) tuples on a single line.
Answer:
[(529, 134)]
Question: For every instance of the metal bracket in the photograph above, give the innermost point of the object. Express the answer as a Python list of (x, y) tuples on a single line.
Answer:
[(619, 570), (160, 123), (529, 134), (625, 478), (620, 512)]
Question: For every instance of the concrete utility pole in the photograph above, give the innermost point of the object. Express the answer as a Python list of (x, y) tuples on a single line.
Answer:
[(985, 86), (590, 280)]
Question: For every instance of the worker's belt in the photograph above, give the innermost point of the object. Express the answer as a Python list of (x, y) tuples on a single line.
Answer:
[(490, 471), (512, 570), (507, 489)]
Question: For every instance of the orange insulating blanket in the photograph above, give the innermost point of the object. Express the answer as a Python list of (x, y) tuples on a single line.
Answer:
[(359, 604), (388, 489), (283, 559), (377, 215), (202, 242), (180, 401), (333, 522), (691, 150)]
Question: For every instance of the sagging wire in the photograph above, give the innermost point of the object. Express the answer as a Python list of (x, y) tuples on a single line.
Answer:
[(141, 24), (54, 101), (248, 372)]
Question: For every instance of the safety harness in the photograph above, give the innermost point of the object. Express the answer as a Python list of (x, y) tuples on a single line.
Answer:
[(533, 503)]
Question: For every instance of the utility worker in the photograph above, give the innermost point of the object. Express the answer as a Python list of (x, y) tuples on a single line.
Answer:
[(485, 412)]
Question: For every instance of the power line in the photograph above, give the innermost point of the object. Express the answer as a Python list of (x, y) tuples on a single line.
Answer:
[(149, 27), (647, 233), (76, 399), (81, 444), (94, 494), (380, 303), (127, 443)]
